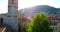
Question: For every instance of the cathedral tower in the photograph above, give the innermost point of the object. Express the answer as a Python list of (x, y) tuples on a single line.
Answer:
[(12, 14)]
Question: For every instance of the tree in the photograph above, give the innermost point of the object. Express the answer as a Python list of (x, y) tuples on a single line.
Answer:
[(40, 23)]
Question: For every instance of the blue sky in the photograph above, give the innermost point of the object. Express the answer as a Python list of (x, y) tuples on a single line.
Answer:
[(28, 3)]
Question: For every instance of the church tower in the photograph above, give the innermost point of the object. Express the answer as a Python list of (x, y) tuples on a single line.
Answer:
[(12, 14), (12, 7)]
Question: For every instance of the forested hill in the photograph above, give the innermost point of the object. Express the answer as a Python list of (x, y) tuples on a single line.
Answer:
[(48, 10)]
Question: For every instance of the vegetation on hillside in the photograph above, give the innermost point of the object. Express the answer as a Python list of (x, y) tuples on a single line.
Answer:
[(40, 23)]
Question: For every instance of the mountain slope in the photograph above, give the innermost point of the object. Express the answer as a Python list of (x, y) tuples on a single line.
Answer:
[(31, 11)]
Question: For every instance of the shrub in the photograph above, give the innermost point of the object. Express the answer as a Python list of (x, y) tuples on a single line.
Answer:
[(40, 23)]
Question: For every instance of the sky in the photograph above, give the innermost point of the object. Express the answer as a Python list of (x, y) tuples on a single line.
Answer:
[(28, 3)]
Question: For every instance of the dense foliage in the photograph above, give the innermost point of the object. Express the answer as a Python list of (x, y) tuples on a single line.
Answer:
[(40, 23)]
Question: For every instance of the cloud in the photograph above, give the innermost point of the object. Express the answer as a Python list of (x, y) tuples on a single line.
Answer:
[(29, 3), (3, 7)]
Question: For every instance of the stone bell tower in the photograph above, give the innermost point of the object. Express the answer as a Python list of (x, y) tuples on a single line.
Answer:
[(12, 14)]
